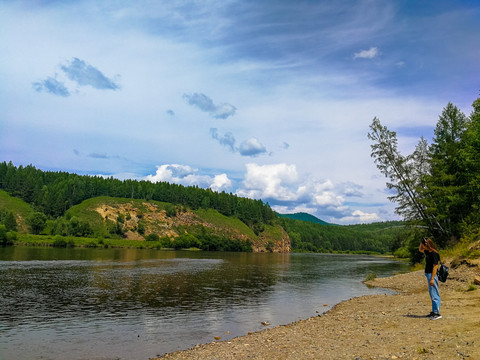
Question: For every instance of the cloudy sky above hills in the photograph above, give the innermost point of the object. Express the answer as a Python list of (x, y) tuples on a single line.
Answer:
[(264, 99)]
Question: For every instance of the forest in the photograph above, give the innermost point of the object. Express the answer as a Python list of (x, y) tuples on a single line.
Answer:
[(53, 193), (437, 187)]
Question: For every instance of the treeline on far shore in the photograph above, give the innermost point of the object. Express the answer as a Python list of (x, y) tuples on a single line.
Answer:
[(42, 199)]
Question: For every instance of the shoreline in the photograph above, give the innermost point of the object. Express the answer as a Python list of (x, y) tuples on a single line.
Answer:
[(369, 327)]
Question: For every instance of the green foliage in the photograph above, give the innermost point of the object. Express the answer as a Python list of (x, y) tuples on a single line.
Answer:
[(141, 227), (437, 186), (371, 276), (60, 241), (3, 234), (9, 221), (402, 253), (377, 237), (471, 287), (16, 207), (7, 237), (152, 237), (185, 241), (37, 222), (304, 217), (170, 210), (115, 228)]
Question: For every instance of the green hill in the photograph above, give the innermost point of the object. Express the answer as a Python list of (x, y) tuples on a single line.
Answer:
[(304, 217), (18, 207), (135, 219)]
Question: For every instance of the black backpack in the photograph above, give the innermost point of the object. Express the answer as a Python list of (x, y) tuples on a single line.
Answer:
[(442, 272)]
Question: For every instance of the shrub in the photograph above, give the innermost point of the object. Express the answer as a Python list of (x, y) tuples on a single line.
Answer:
[(59, 241), (152, 237), (371, 276), (402, 253), (170, 210), (37, 222)]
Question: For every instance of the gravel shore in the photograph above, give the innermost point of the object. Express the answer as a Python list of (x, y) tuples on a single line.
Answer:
[(370, 327)]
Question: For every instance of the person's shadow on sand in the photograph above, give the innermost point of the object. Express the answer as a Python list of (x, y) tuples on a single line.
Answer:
[(415, 316)]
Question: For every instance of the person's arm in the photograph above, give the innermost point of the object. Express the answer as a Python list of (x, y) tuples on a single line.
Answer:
[(421, 248), (434, 272)]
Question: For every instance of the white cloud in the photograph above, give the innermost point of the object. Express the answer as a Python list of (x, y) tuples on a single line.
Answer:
[(367, 54), (269, 182), (251, 147), (359, 217), (327, 198), (186, 175), (221, 182)]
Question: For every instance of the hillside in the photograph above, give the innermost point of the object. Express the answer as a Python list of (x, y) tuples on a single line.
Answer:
[(18, 207), (304, 217), (138, 219)]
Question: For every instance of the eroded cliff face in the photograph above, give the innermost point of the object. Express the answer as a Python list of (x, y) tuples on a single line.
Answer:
[(155, 220), (273, 244)]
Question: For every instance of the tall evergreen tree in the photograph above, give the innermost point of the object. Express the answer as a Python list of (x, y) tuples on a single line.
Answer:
[(446, 182)]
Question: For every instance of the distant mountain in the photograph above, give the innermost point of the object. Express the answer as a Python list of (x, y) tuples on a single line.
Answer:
[(304, 217)]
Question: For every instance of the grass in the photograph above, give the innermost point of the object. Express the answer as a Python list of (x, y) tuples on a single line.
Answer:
[(70, 241), (18, 207), (462, 249), (471, 287), (213, 217), (371, 276)]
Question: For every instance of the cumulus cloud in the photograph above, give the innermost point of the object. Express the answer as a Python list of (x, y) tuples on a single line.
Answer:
[(270, 182), (284, 189), (251, 147), (367, 54), (206, 104), (359, 217), (221, 182), (80, 74), (52, 86), (188, 176)]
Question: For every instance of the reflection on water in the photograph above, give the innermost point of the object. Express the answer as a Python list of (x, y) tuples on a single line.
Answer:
[(135, 304)]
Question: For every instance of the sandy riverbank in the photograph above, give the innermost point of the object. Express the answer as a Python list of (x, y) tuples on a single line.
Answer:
[(371, 327)]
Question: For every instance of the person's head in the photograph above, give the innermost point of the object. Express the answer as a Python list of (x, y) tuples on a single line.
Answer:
[(429, 244)]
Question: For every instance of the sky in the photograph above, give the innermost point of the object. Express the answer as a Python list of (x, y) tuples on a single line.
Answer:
[(269, 100)]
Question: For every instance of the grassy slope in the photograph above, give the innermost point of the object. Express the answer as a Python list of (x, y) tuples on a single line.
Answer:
[(207, 219), (19, 207)]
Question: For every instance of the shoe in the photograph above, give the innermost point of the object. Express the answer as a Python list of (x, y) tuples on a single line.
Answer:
[(435, 317), (430, 315)]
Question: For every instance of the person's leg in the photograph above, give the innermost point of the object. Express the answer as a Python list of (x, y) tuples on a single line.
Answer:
[(434, 294)]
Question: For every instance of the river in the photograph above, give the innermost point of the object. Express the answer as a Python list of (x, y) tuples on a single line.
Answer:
[(134, 303)]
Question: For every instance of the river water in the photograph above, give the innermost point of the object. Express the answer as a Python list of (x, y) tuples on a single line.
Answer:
[(135, 304)]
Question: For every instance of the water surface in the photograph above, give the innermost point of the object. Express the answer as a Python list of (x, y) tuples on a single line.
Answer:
[(136, 304)]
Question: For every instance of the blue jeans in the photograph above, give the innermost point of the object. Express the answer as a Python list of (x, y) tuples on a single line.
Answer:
[(434, 294)]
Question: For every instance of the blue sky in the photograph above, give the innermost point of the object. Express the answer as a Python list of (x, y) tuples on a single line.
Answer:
[(264, 99)]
